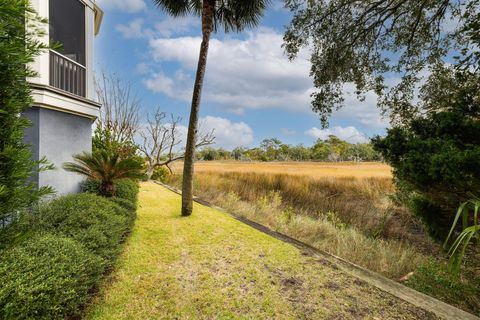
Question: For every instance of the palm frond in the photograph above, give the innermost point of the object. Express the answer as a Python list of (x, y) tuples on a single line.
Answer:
[(178, 8), (104, 166), (232, 15), (240, 14)]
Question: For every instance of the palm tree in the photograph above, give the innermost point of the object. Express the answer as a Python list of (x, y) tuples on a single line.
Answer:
[(105, 167), (232, 15)]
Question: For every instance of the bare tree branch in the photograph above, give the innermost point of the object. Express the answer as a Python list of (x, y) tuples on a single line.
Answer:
[(161, 138), (120, 107)]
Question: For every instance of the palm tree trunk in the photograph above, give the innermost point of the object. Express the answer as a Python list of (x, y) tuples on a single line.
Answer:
[(187, 185)]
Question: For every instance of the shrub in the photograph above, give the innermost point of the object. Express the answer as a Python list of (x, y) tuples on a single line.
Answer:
[(436, 155), (160, 174), (125, 188), (46, 277), (130, 209), (18, 47), (95, 222), (124, 203)]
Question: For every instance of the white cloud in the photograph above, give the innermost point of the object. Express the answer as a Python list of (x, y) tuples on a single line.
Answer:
[(250, 73), (241, 74), (228, 134), (177, 86), (349, 134), (133, 30), (170, 25), (365, 112), (124, 5)]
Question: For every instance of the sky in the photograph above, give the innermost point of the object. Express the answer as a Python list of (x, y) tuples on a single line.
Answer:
[(251, 90)]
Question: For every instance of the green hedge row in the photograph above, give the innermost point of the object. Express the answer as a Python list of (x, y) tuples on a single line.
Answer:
[(66, 247), (125, 189)]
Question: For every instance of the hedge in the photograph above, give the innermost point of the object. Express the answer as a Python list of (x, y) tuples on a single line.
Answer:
[(46, 277), (125, 189), (60, 253), (94, 221)]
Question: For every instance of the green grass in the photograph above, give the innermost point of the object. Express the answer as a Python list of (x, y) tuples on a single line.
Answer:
[(210, 266)]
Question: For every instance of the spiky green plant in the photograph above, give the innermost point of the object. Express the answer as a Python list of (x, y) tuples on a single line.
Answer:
[(469, 233), (105, 167)]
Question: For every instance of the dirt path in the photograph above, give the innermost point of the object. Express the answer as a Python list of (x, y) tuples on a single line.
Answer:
[(211, 266)]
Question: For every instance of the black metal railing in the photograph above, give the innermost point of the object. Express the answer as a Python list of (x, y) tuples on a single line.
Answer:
[(66, 74)]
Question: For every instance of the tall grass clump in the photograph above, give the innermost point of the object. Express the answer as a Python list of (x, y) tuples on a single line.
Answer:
[(362, 203)]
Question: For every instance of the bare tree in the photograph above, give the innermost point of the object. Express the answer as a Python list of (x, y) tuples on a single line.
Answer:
[(120, 108), (160, 140)]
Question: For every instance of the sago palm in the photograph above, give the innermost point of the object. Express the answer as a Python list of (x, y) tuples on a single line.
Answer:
[(231, 15), (105, 167)]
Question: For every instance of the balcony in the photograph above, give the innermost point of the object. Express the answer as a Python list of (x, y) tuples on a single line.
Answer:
[(67, 75)]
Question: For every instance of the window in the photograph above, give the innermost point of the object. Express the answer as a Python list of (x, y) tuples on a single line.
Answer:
[(67, 28)]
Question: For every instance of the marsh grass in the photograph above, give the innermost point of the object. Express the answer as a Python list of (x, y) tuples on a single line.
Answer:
[(328, 232), (362, 203)]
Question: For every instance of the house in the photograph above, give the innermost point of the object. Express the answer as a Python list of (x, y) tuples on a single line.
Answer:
[(64, 108)]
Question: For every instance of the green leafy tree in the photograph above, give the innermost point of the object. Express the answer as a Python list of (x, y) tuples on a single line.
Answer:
[(106, 167), (208, 154), (320, 151), (339, 149), (271, 148), (238, 153), (233, 15), (299, 153), (20, 29), (363, 42), (436, 157)]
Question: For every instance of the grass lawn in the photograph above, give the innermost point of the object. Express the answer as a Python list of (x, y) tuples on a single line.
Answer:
[(211, 266)]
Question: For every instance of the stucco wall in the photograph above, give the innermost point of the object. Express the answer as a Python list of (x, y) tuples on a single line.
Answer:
[(57, 136)]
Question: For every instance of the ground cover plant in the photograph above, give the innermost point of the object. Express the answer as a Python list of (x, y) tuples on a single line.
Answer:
[(57, 253), (352, 217), (216, 267)]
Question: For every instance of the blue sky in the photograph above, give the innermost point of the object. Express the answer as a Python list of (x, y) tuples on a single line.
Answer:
[(251, 90)]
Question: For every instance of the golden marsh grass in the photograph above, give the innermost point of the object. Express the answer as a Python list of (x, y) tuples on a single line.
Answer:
[(311, 169)]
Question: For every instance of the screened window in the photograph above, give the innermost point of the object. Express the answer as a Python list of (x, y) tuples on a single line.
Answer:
[(67, 28)]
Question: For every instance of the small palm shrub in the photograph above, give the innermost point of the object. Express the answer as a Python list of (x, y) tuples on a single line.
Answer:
[(106, 167), (469, 233), (95, 222), (46, 277)]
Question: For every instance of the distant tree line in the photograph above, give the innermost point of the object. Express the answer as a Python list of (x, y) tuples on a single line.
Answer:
[(332, 149)]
